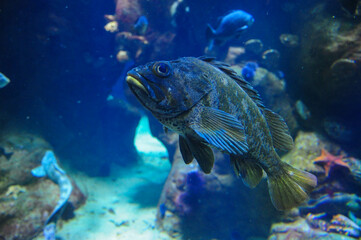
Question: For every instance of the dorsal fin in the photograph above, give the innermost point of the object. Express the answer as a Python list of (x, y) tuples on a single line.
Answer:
[(278, 128), (246, 86)]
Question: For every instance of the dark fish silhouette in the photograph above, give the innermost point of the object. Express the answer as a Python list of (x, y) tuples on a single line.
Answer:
[(209, 105), (7, 155)]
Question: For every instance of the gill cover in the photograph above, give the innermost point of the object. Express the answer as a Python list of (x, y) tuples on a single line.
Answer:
[(172, 87)]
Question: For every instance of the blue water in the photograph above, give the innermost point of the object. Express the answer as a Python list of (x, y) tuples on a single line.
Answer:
[(63, 66)]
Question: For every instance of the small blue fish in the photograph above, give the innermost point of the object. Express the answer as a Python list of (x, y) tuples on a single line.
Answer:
[(141, 25), (232, 26), (280, 74), (3, 80)]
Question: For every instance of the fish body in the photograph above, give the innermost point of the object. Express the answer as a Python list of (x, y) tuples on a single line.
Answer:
[(3, 80), (49, 167), (231, 26), (210, 106), (141, 25)]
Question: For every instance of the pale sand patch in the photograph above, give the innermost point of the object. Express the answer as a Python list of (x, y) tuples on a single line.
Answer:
[(133, 218), (124, 205)]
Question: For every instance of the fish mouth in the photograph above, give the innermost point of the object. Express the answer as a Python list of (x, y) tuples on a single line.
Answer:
[(135, 80)]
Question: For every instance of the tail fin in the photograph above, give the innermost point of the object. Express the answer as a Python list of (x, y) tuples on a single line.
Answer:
[(210, 32), (290, 188)]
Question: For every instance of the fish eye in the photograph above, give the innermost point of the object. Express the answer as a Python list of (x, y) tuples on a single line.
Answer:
[(161, 69)]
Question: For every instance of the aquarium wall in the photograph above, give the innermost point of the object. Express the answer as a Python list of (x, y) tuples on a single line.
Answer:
[(95, 94)]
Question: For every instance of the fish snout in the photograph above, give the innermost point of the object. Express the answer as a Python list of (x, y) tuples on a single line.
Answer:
[(135, 80)]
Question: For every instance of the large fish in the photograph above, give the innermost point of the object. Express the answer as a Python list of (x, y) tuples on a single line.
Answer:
[(209, 105)]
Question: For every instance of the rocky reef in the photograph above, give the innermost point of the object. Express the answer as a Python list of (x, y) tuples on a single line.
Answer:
[(334, 208), (192, 201), (194, 205), (326, 69), (25, 201)]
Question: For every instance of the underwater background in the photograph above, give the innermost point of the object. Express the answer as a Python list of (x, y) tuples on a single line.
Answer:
[(80, 158)]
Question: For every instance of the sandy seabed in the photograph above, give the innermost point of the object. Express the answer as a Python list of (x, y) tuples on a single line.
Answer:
[(123, 205)]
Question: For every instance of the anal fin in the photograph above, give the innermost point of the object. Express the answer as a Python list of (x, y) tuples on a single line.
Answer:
[(202, 153), (185, 150), (248, 169)]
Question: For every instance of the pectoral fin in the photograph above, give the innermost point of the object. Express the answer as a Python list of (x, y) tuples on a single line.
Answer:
[(38, 172), (242, 29), (221, 130), (202, 153), (185, 150)]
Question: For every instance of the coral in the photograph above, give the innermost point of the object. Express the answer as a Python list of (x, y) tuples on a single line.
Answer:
[(26, 203), (270, 58), (194, 188), (192, 203), (315, 227), (122, 56), (306, 149), (345, 226), (330, 162), (111, 27), (127, 11), (333, 204), (249, 70), (233, 54), (14, 191), (254, 46), (355, 166)]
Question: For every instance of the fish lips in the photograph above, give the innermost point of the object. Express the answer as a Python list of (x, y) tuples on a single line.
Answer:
[(140, 86)]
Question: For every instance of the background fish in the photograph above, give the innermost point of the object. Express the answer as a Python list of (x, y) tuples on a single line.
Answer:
[(209, 105), (231, 26), (3, 152), (3, 80), (141, 25), (50, 168)]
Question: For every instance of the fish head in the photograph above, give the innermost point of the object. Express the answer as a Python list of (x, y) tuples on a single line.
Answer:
[(244, 17), (250, 21), (169, 88)]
